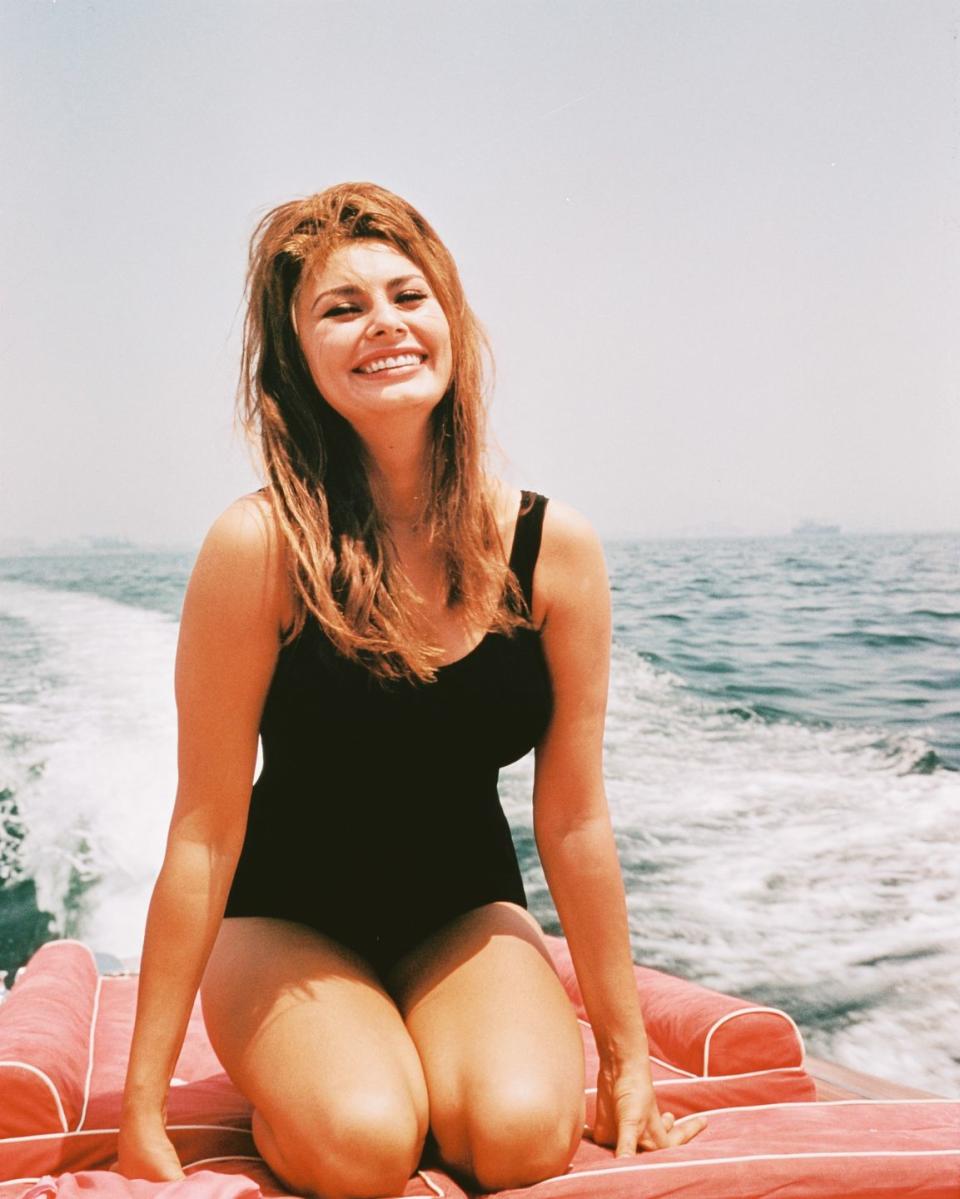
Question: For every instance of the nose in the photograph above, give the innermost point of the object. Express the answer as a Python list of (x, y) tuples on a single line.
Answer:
[(385, 320)]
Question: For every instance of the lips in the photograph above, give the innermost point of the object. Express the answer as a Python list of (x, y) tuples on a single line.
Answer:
[(404, 359)]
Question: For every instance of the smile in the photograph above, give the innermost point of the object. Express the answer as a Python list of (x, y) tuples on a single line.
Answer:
[(385, 364)]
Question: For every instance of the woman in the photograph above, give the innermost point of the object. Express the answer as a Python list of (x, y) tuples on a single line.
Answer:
[(357, 926)]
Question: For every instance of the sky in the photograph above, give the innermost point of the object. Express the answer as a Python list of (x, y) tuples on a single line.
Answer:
[(715, 243)]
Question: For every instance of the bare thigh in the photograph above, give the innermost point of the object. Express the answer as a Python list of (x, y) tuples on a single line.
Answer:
[(307, 1033), (499, 1044)]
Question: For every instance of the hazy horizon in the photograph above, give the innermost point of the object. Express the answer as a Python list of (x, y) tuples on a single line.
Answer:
[(716, 245), (107, 544)]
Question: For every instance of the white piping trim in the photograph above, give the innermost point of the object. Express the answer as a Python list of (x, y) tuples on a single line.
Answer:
[(576, 1175), (676, 1082), (69, 941), (44, 1077), (659, 1061), (431, 1184), (747, 1011), (699, 1080), (225, 1157), (95, 1011)]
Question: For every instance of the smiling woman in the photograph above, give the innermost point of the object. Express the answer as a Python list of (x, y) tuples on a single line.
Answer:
[(339, 282), (396, 624), (378, 345)]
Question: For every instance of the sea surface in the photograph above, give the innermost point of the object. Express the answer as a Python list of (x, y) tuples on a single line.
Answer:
[(782, 758)]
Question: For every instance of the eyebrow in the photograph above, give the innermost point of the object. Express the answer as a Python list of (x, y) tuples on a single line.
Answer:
[(349, 289)]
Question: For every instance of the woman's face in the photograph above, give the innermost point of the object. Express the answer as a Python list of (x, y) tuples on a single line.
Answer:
[(373, 334)]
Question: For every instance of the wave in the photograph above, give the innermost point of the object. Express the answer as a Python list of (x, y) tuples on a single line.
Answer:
[(927, 761), (886, 640), (89, 758), (12, 832)]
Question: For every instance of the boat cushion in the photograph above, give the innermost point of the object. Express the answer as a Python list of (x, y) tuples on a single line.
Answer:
[(698, 1030), (883, 1149), (65, 1035), (46, 1032)]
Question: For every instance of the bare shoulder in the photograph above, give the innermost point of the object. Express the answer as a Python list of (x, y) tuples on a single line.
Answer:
[(567, 532), (572, 594), (241, 564), (245, 527), (571, 565)]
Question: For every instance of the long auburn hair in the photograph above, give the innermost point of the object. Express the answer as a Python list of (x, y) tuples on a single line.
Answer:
[(341, 559)]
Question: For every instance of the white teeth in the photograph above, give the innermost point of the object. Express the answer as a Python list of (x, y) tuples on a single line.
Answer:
[(383, 364)]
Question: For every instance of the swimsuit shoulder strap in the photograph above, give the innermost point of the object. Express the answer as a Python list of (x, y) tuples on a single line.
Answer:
[(526, 541)]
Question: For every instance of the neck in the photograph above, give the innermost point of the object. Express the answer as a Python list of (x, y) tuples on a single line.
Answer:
[(400, 457)]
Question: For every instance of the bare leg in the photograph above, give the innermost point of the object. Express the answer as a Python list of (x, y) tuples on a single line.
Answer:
[(308, 1034), (500, 1047)]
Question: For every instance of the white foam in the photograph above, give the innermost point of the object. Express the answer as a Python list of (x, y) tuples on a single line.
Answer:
[(781, 859), (103, 727)]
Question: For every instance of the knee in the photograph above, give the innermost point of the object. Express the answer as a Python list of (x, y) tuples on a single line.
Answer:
[(368, 1146), (520, 1135)]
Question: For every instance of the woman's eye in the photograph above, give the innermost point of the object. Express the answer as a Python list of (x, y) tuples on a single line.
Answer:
[(404, 297)]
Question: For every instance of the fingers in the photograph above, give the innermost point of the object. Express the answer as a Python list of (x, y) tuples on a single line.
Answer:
[(634, 1124), (661, 1132), (628, 1132), (689, 1128), (656, 1135), (673, 1133)]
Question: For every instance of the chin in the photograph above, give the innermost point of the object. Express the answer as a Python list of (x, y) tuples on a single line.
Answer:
[(415, 397)]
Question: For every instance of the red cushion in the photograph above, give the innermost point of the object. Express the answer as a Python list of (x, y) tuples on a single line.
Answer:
[(201, 1091), (859, 1149), (702, 1031), (46, 1024), (856, 1149), (67, 1035)]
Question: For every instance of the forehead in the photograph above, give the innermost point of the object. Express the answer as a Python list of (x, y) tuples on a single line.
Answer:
[(366, 263)]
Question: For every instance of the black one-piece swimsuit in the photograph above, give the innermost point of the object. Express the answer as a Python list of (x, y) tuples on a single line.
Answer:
[(376, 818)]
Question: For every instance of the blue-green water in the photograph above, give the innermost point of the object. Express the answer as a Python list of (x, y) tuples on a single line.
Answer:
[(782, 759)]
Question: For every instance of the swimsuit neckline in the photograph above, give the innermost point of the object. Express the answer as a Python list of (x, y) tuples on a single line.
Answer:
[(469, 654)]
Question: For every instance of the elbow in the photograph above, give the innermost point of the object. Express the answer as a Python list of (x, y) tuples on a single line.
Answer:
[(565, 829), (206, 864)]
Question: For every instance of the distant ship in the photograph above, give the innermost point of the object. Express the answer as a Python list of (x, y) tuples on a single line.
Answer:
[(813, 526)]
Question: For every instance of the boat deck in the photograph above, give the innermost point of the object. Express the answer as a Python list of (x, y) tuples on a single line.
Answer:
[(840, 1082)]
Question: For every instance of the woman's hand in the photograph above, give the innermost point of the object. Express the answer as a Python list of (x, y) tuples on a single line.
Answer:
[(145, 1151), (628, 1116)]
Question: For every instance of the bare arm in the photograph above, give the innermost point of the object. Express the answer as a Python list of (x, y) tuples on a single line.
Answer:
[(225, 660), (574, 835)]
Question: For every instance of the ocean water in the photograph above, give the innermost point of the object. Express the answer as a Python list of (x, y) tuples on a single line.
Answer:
[(782, 760)]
